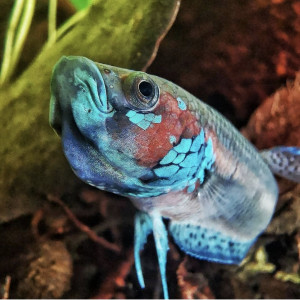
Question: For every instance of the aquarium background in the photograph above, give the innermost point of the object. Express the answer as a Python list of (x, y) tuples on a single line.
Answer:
[(241, 57)]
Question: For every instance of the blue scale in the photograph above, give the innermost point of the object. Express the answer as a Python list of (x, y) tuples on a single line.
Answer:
[(143, 120), (185, 163)]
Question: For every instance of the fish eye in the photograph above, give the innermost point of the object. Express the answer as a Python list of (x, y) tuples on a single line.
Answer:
[(145, 88), (141, 92)]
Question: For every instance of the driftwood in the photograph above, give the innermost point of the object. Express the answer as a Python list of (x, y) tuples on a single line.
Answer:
[(32, 164)]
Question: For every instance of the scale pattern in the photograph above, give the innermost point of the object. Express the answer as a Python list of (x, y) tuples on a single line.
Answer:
[(143, 120), (185, 164)]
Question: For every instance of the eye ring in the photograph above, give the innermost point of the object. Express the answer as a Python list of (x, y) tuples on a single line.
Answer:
[(141, 92)]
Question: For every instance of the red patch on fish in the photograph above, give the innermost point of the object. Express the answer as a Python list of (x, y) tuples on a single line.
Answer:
[(154, 142)]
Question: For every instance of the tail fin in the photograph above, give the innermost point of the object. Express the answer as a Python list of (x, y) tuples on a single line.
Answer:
[(283, 161)]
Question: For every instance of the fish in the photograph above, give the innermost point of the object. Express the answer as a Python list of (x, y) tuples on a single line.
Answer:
[(175, 157)]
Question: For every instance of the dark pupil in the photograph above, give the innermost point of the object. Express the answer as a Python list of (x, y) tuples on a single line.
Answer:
[(145, 88)]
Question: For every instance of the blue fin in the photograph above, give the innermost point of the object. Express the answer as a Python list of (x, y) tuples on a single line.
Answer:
[(143, 227), (284, 161), (161, 244), (144, 224), (208, 244)]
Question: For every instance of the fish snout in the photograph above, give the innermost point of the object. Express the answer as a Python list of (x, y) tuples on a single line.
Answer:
[(76, 83)]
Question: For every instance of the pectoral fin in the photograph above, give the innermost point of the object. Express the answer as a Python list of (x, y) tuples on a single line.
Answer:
[(284, 161), (208, 244)]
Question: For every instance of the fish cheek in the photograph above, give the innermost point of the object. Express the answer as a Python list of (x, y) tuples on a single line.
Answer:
[(121, 133), (177, 122)]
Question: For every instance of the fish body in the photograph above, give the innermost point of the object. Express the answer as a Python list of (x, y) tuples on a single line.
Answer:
[(175, 157)]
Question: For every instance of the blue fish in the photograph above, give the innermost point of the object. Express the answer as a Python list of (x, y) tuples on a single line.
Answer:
[(173, 156)]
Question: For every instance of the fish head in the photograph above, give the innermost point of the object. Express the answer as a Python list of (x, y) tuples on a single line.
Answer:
[(117, 125)]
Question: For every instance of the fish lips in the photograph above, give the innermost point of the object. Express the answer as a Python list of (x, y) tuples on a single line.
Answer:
[(74, 80)]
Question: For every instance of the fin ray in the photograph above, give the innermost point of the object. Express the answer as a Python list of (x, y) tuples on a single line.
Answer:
[(143, 227), (234, 209), (161, 244)]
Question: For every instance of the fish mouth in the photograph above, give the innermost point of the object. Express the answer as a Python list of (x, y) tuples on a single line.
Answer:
[(73, 75), (76, 77), (89, 77)]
